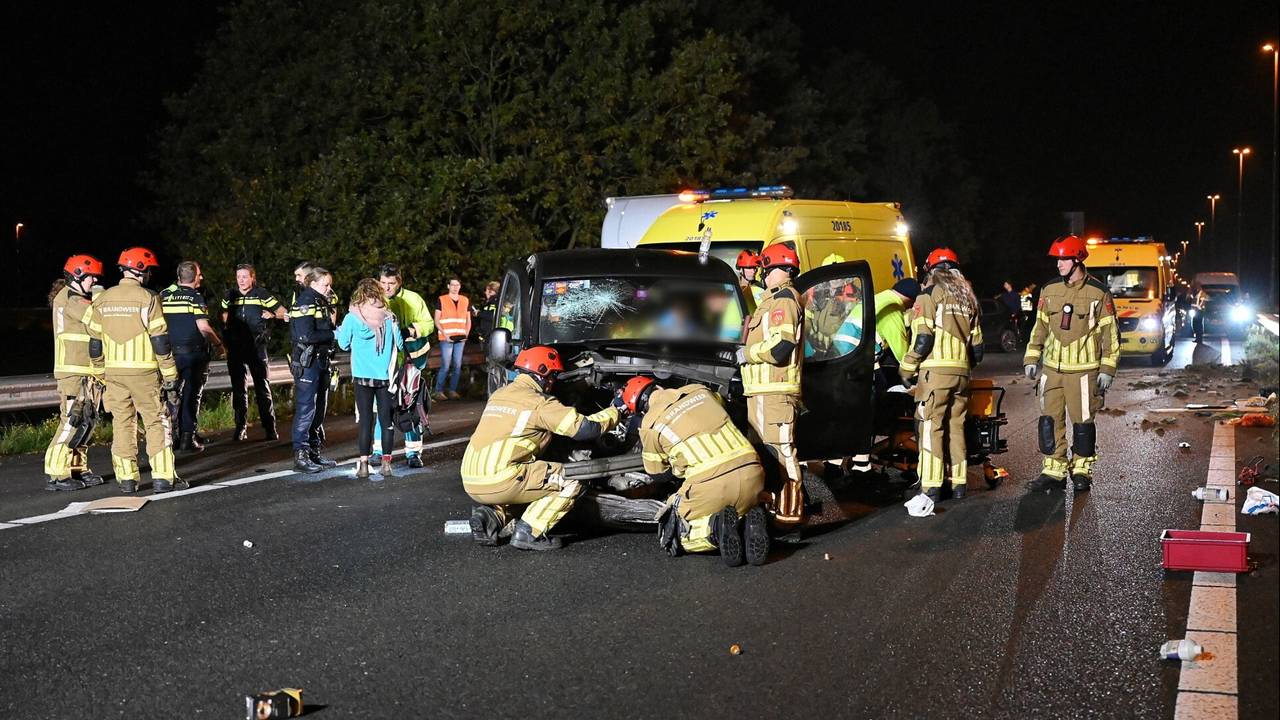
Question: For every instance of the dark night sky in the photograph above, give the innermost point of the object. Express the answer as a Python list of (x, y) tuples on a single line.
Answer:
[(1126, 111)]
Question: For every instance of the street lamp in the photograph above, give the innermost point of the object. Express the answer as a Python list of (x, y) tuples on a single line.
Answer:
[(1199, 232), (1275, 140), (1240, 153), (1213, 213)]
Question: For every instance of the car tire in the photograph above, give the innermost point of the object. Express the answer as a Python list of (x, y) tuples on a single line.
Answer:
[(1009, 340), (495, 379), (1160, 357)]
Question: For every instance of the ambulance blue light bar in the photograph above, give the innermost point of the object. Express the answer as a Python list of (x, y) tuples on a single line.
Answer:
[(733, 193)]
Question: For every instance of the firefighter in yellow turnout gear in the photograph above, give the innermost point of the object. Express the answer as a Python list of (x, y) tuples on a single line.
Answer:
[(946, 342), (1075, 344), (128, 334), (501, 466), (770, 361), (686, 435), (79, 382)]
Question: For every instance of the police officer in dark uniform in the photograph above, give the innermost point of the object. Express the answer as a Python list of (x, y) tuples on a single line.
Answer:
[(191, 336), (311, 325), (246, 312)]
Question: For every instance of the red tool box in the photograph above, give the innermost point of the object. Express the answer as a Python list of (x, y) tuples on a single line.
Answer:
[(1205, 551)]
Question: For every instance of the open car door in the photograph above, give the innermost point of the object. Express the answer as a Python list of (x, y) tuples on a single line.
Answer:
[(837, 379)]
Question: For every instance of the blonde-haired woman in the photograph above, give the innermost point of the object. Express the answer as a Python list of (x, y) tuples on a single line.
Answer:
[(370, 332), (946, 342)]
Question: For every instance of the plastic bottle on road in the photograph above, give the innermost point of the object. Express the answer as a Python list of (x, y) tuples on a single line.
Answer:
[(1204, 493), (1180, 650)]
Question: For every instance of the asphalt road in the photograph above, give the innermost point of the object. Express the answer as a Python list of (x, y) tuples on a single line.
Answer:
[(1003, 605)]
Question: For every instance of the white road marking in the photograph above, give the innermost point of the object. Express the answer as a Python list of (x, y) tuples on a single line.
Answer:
[(1208, 689), (36, 519)]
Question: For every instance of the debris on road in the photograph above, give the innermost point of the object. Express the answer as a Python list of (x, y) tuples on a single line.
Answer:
[(1184, 445), (282, 703), (1254, 419), (457, 527), (1260, 502), (1180, 650), (1204, 493), (1252, 471), (248, 543), (107, 505), (1205, 550), (735, 649), (919, 506), (826, 556)]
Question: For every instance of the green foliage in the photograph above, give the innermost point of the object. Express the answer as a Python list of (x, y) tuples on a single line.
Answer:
[(453, 137), (1262, 356)]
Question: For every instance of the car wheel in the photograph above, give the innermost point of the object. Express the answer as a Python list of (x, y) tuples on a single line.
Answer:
[(1159, 357), (1009, 340), (496, 378)]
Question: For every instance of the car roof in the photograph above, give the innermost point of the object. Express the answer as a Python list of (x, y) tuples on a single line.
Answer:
[(595, 262)]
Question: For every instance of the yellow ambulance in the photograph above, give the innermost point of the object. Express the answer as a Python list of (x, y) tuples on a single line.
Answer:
[(1139, 273), (754, 218)]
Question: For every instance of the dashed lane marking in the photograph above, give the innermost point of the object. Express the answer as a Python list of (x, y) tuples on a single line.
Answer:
[(209, 487)]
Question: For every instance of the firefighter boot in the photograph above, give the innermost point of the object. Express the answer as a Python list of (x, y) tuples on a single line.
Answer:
[(1047, 483), (755, 535), (63, 484), (128, 486), (1081, 483), (724, 533), (302, 462), (957, 492), (485, 525), (89, 478), (524, 539), (161, 485)]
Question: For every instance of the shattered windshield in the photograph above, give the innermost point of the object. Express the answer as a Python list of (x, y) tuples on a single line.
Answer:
[(1130, 283), (593, 309)]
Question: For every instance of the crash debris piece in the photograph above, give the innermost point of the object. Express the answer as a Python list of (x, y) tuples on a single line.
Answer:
[(919, 506), (282, 703), (1260, 502), (107, 505), (457, 527), (248, 543), (735, 649), (1180, 650)]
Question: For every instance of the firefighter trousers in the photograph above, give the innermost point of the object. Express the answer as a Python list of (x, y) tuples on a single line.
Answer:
[(941, 403), (67, 453), (539, 484), (700, 500), (1064, 395), (773, 417), (127, 398)]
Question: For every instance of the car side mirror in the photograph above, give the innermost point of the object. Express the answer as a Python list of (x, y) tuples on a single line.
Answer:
[(499, 345)]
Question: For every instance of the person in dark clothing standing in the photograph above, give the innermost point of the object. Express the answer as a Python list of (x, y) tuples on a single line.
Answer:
[(191, 335), (247, 310), (486, 312), (311, 325)]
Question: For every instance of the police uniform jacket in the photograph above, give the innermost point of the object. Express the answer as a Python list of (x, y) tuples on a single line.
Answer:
[(245, 326), (183, 306), (310, 322)]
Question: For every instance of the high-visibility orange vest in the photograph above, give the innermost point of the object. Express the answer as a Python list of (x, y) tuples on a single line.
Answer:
[(454, 316)]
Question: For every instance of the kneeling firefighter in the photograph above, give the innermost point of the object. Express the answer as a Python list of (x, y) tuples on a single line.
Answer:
[(501, 466), (1076, 344), (946, 342), (686, 434), (66, 461)]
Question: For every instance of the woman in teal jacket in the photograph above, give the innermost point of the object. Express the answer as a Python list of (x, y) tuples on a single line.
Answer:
[(370, 332)]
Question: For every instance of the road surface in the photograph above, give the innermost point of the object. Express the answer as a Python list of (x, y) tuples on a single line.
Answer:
[(1003, 605)]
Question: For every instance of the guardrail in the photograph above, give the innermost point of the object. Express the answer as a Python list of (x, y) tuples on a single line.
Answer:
[(1270, 322), (34, 392)]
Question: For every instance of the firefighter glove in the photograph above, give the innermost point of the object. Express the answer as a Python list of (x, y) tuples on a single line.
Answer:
[(1030, 370), (171, 394), (1104, 382)]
